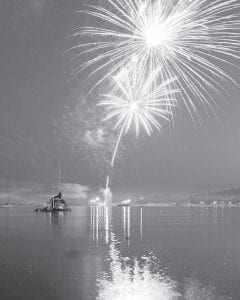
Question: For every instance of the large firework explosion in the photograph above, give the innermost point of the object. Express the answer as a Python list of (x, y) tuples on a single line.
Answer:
[(190, 39)]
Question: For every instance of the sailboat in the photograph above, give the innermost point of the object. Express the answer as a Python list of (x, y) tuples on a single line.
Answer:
[(56, 203), (7, 204)]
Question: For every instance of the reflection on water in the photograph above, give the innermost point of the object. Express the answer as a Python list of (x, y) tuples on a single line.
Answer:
[(195, 290), (103, 253), (100, 221), (56, 221), (129, 278), (143, 278), (126, 222)]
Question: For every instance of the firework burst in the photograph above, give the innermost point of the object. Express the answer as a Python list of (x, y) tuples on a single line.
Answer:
[(136, 103), (190, 39)]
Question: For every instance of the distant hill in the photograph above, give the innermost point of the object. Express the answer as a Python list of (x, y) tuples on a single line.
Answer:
[(226, 195)]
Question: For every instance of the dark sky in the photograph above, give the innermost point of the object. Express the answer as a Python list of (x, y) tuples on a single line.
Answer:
[(34, 86)]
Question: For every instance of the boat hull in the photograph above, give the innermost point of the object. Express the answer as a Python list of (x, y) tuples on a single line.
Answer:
[(46, 210)]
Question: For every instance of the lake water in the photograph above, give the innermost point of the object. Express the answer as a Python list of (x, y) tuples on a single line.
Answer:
[(150, 253)]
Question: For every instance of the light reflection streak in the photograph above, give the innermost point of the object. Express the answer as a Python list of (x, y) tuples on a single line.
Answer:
[(143, 278), (97, 220), (56, 221), (106, 223), (50, 219), (100, 216), (132, 279), (93, 223), (126, 219), (128, 224), (91, 219), (100, 221), (56, 218)]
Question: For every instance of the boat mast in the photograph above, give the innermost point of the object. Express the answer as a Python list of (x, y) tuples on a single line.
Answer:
[(8, 190), (59, 173)]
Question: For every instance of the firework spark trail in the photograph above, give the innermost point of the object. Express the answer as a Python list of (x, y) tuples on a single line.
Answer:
[(192, 40), (134, 103)]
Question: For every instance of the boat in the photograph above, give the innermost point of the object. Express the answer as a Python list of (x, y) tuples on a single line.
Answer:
[(125, 203), (54, 205), (7, 203)]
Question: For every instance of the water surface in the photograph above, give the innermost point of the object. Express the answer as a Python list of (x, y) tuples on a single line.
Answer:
[(120, 253)]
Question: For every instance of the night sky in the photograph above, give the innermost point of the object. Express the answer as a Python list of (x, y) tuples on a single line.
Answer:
[(35, 84)]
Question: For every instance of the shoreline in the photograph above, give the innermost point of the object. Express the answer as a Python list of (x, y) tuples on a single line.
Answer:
[(161, 205), (133, 205)]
